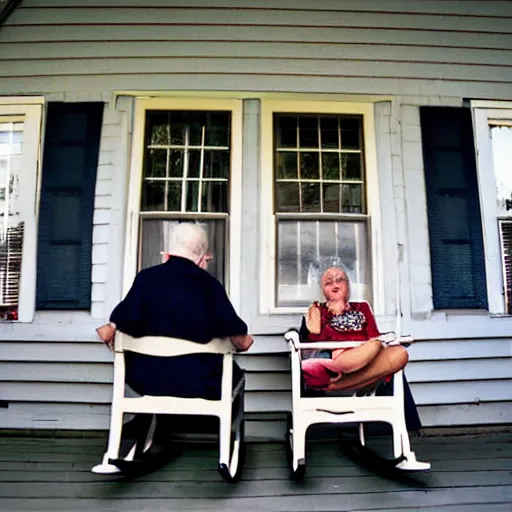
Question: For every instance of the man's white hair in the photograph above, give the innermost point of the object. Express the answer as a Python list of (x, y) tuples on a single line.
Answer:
[(188, 240)]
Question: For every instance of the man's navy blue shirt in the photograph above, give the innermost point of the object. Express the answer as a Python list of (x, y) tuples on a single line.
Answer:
[(179, 300)]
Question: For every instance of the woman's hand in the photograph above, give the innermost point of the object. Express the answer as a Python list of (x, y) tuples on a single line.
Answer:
[(314, 319)]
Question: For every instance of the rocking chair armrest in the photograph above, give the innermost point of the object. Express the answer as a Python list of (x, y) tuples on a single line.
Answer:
[(390, 339), (293, 338), (328, 345)]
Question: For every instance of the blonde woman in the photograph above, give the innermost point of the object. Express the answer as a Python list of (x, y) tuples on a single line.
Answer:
[(338, 319)]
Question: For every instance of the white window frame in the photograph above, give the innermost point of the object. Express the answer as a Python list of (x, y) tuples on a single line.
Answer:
[(235, 184), (483, 112), (31, 109), (268, 225)]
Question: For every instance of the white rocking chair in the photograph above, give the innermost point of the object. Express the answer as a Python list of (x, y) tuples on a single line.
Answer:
[(307, 411), (231, 447)]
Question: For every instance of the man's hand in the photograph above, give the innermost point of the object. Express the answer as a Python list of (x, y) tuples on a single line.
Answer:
[(107, 333), (242, 342)]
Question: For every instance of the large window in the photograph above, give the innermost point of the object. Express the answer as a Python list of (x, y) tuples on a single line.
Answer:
[(320, 203), (184, 171), (19, 153), (12, 226), (493, 129), (501, 139)]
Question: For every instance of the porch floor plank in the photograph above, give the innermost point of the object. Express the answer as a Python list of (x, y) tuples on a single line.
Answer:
[(469, 473)]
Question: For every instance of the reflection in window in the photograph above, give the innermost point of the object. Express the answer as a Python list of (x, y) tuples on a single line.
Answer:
[(501, 137), (11, 227), (320, 204), (185, 178)]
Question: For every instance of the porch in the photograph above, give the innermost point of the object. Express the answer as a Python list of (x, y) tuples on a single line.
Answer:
[(470, 473)]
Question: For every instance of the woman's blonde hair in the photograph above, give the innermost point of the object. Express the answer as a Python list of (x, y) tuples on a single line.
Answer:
[(339, 268)]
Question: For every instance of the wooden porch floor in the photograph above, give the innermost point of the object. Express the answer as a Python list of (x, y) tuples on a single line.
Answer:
[(469, 473)]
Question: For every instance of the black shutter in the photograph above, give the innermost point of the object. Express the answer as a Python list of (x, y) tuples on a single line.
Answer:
[(67, 205), (453, 207)]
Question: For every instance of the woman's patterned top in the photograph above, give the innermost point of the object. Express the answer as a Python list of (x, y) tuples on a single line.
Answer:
[(356, 323)]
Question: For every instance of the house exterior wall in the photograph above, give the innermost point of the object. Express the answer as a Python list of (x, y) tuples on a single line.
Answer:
[(396, 54)]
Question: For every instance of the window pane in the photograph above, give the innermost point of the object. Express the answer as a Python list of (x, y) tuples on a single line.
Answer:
[(153, 196), (155, 238), (286, 165), (286, 132), (217, 129), (308, 132), (177, 130), (12, 228), (287, 197), (216, 164), (306, 248), (309, 166), (174, 190), (194, 163), (176, 163), (192, 196), (329, 132), (215, 197), (501, 137), (157, 129), (330, 166), (332, 197), (351, 133), (351, 166), (310, 197), (156, 163), (352, 199)]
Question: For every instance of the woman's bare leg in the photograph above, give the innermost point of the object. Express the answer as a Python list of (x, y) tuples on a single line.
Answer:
[(350, 361), (387, 362)]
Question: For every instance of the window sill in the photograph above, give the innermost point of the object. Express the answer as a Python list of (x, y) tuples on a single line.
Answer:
[(460, 324), (53, 326)]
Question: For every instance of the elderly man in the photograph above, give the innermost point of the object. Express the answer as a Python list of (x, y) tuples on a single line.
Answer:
[(178, 299)]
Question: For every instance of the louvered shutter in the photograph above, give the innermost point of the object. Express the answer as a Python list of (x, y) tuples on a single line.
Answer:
[(67, 205), (453, 209)]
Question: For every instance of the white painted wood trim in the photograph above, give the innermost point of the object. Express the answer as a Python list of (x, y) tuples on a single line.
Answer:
[(134, 190), (235, 208), (21, 100), (118, 203), (29, 187), (488, 199), (491, 104), (268, 227)]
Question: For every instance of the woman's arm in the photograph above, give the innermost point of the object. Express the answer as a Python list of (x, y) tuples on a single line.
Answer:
[(314, 319)]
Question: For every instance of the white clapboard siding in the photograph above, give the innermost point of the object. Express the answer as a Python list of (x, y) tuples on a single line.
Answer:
[(54, 375), (404, 47), (79, 375)]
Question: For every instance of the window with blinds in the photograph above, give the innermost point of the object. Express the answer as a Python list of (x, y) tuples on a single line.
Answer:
[(11, 225), (501, 139)]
